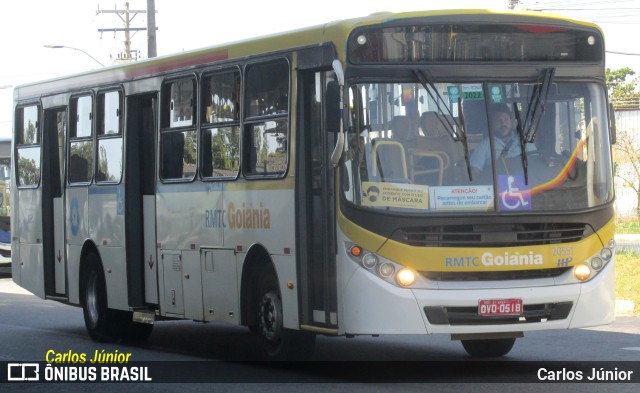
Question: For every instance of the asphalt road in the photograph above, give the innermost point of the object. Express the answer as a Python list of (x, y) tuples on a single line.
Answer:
[(30, 327)]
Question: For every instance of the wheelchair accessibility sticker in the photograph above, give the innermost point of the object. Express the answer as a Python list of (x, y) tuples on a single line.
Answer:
[(514, 194)]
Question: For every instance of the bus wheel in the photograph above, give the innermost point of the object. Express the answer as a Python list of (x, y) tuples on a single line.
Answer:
[(276, 342), (488, 348), (102, 323)]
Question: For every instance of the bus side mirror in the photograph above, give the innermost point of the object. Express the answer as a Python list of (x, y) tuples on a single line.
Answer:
[(333, 110), (612, 124)]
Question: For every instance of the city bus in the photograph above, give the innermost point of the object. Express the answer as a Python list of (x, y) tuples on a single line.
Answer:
[(329, 181)]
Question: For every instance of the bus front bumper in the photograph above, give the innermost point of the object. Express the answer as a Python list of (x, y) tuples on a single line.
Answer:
[(373, 306)]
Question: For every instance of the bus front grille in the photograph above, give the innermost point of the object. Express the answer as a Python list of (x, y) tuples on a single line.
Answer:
[(492, 235), (533, 313), (496, 276)]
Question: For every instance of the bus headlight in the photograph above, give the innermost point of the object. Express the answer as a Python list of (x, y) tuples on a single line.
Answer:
[(406, 277), (597, 263), (582, 271), (606, 253), (369, 261), (384, 268), (589, 268)]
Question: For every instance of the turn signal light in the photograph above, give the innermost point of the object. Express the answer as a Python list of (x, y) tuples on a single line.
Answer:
[(356, 251)]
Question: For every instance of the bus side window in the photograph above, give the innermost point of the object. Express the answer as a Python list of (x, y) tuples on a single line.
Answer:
[(109, 137), (80, 169), (220, 138), (28, 146), (266, 130), (178, 137), (172, 155)]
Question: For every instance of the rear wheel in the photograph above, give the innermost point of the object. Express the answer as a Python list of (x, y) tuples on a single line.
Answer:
[(488, 348), (102, 323), (277, 342)]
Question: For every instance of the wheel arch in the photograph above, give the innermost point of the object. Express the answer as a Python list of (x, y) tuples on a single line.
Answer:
[(88, 248), (256, 263)]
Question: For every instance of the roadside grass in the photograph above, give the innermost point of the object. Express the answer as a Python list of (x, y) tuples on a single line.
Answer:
[(627, 227), (628, 278)]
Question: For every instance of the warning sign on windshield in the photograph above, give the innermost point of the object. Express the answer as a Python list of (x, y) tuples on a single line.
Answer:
[(462, 198), (380, 194)]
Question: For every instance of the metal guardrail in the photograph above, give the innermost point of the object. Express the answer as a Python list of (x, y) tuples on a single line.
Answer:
[(628, 243)]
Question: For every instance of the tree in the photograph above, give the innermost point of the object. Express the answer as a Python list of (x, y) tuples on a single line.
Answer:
[(622, 88), (627, 158), (624, 94)]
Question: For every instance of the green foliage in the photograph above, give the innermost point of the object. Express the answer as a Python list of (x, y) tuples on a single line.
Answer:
[(628, 278), (622, 85), (628, 227)]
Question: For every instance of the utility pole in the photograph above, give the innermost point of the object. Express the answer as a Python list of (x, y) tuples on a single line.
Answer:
[(152, 50), (127, 16)]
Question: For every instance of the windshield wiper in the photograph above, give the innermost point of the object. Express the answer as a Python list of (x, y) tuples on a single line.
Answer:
[(537, 105), (454, 127), (521, 137)]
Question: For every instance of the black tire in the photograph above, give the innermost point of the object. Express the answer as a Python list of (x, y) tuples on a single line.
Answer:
[(488, 348), (102, 323), (276, 342)]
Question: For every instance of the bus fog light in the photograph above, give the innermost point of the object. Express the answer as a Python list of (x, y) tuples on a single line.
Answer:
[(611, 244), (582, 272), (597, 263), (369, 261), (605, 254), (406, 277), (386, 270)]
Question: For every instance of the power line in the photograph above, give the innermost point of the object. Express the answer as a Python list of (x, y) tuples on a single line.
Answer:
[(623, 53)]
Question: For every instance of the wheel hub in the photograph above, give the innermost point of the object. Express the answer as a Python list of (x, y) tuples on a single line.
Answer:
[(270, 318)]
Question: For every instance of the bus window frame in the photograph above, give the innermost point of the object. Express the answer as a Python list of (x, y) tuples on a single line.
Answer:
[(20, 145), (101, 135), (206, 126), (247, 121), (71, 138), (165, 123)]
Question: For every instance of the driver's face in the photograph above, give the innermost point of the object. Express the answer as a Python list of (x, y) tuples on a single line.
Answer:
[(502, 124)]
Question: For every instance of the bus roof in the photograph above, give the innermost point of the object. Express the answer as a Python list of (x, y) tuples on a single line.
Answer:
[(335, 31)]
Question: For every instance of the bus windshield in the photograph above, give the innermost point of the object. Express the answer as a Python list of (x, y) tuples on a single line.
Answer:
[(474, 147)]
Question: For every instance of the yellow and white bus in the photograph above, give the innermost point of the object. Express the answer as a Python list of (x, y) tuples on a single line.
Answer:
[(329, 181)]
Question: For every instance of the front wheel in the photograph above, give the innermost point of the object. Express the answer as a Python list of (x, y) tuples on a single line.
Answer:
[(488, 348), (277, 342)]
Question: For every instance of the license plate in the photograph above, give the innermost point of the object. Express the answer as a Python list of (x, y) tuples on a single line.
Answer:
[(499, 307)]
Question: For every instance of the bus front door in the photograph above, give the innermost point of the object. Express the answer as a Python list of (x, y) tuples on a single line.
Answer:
[(315, 203)]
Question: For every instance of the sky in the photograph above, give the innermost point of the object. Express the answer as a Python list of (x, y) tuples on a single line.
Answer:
[(27, 25)]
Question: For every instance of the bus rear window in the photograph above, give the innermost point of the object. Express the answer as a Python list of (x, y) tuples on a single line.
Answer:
[(460, 43)]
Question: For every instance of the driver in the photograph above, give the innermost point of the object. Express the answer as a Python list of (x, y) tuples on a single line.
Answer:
[(506, 141)]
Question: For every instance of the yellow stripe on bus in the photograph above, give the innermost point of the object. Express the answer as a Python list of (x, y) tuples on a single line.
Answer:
[(470, 259)]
